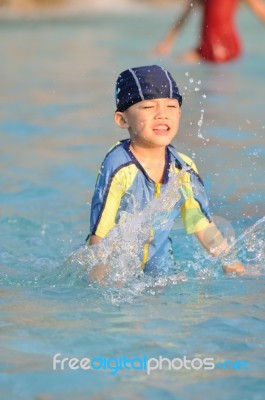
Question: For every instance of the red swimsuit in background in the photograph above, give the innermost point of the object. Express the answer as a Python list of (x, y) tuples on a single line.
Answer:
[(219, 38)]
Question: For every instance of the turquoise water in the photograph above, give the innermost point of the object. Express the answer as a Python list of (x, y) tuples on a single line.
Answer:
[(57, 79)]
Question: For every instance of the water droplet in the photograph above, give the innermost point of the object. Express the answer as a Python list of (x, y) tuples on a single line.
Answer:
[(200, 125)]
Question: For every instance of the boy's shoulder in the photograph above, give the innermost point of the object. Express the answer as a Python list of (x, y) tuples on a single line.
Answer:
[(183, 158), (117, 155)]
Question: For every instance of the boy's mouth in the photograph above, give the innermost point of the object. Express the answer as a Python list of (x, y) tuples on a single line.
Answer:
[(161, 130)]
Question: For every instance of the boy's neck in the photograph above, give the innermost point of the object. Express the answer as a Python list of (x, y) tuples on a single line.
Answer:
[(153, 161), (155, 153)]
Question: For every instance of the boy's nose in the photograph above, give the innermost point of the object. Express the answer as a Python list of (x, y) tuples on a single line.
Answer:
[(161, 112)]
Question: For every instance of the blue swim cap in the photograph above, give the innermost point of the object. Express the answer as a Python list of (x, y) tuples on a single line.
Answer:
[(144, 83)]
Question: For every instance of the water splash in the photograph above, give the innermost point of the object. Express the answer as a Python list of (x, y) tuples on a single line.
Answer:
[(121, 250), (189, 90), (126, 281), (124, 242), (249, 247), (200, 125)]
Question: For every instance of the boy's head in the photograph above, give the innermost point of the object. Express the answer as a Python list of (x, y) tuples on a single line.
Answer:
[(144, 83), (148, 105)]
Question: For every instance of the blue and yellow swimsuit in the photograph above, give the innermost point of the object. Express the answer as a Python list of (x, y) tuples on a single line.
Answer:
[(122, 182)]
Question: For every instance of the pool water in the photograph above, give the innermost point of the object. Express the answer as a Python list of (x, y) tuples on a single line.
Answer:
[(57, 85)]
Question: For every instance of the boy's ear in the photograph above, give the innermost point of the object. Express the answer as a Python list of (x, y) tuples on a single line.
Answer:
[(121, 120)]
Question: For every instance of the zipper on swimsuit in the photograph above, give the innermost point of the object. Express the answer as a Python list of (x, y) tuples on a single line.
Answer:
[(151, 236)]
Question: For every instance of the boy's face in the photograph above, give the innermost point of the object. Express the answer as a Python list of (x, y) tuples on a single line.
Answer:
[(151, 123)]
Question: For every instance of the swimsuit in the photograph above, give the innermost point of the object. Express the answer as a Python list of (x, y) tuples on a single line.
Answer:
[(123, 185), (219, 38)]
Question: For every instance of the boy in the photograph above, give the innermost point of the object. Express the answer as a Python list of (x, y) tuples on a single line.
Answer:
[(138, 169)]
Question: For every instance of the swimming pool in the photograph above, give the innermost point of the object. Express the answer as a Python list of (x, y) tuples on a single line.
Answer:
[(56, 125)]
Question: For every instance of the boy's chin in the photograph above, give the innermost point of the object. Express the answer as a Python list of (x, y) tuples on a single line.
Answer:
[(162, 140), (157, 141)]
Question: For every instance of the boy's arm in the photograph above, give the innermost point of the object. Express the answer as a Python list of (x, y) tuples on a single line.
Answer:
[(164, 47), (216, 245), (99, 272), (94, 239), (104, 207), (257, 7), (197, 220)]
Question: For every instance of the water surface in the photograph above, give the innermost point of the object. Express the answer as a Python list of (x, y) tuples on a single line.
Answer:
[(57, 85)]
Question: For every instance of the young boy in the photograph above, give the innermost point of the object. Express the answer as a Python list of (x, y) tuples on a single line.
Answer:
[(138, 170)]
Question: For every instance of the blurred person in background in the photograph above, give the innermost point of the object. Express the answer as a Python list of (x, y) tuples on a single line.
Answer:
[(219, 39), (28, 5)]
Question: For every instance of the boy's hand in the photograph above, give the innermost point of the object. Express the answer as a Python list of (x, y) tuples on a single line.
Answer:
[(216, 245), (99, 274), (236, 268)]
